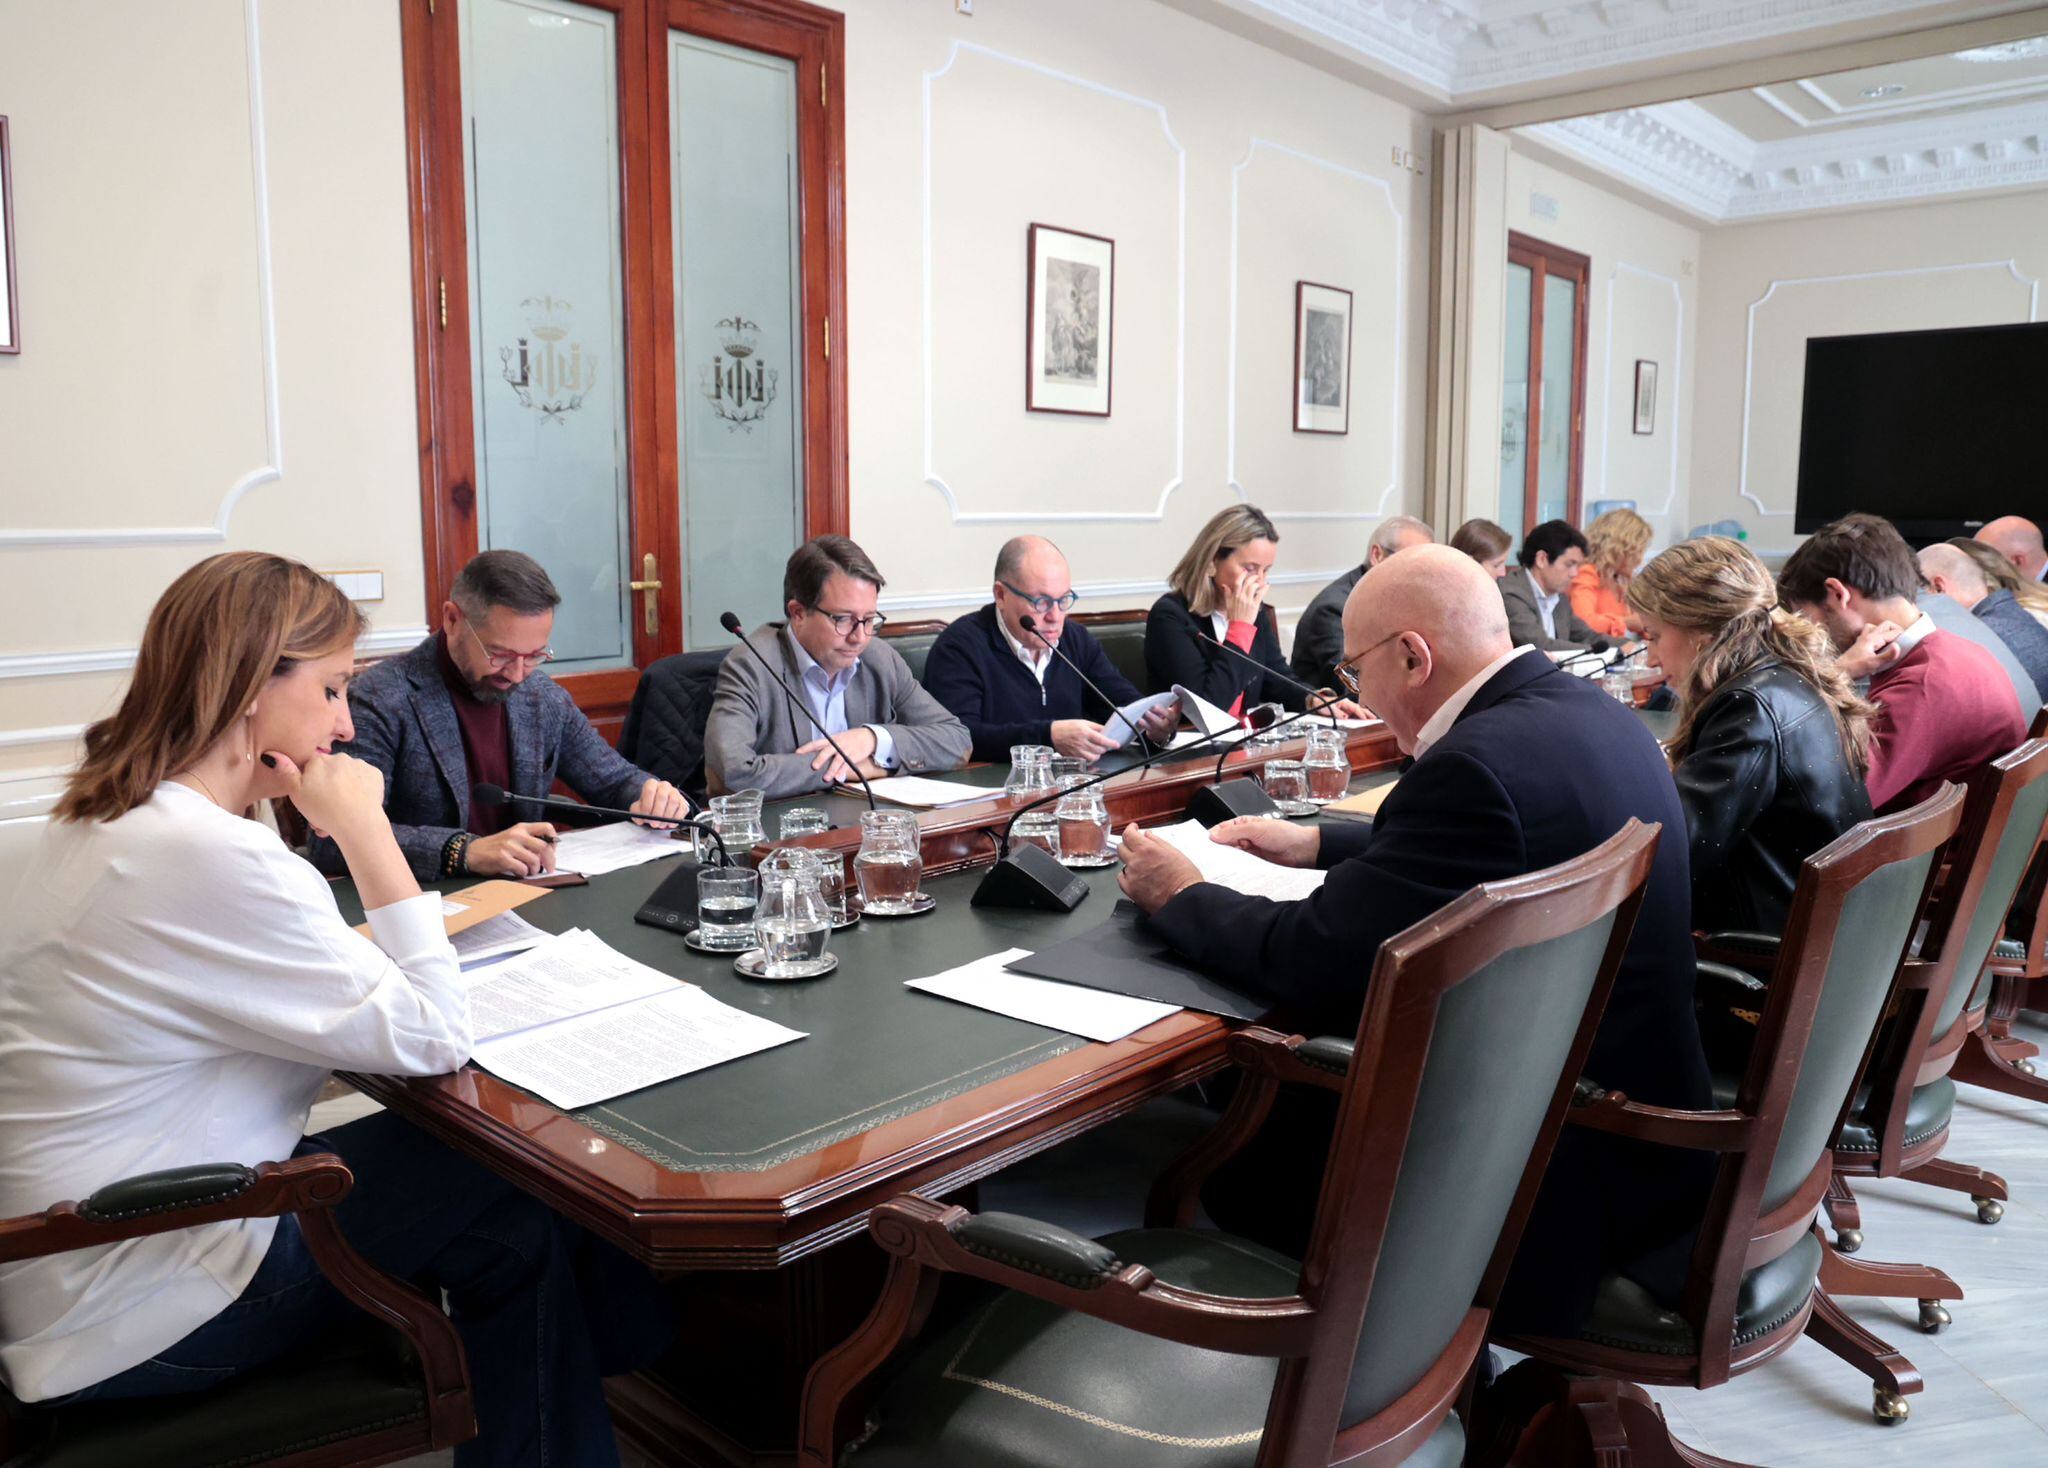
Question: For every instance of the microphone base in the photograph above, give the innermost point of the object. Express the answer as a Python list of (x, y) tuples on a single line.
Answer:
[(1215, 804), (1030, 878), (673, 905)]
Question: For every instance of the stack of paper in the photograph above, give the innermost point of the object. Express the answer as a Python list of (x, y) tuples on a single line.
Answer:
[(1364, 805), (1095, 1014), (577, 1022), (926, 794), (494, 937), (1204, 715), (612, 848), (1240, 871)]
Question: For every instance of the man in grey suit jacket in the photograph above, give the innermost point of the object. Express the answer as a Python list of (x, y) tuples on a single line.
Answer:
[(470, 707), (1538, 596), (857, 686)]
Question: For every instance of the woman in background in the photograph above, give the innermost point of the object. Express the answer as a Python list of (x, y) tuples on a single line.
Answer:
[(1615, 543), (1772, 740), (1212, 632), (2004, 576), (1486, 543), (175, 987)]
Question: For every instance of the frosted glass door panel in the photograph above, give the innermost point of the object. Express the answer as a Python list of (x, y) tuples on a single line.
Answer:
[(739, 302), (540, 100), (1514, 403), (1554, 440)]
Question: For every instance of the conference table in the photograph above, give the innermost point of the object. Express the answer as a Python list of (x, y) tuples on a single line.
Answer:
[(749, 1184)]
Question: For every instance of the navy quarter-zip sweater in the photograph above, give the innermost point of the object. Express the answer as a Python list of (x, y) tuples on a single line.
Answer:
[(973, 672)]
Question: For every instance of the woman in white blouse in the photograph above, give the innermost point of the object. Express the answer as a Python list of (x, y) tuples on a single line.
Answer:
[(175, 986)]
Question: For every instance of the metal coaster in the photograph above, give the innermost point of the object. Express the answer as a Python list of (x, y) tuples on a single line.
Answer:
[(1089, 863), (753, 964), (923, 903), (717, 950), (1296, 808), (851, 920)]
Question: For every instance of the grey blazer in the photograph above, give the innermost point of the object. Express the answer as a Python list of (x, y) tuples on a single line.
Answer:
[(405, 726), (750, 741), (1525, 622)]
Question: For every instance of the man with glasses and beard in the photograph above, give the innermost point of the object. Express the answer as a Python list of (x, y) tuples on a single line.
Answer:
[(470, 706), (1004, 681), (852, 683)]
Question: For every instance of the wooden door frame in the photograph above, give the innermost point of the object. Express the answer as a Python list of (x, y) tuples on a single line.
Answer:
[(443, 337), (1543, 259)]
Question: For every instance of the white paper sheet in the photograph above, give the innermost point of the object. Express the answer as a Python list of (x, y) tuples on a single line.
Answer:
[(1122, 726), (573, 974), (926, 794), (1204, 715), (449, 909), (594, 1057), (495, 937), (1095, 1014), (612, 848), (1238, 870)]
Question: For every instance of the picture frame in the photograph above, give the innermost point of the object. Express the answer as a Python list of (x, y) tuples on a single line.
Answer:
[(1321, 390), (10, 308), (1069, 321), (1646, 396)]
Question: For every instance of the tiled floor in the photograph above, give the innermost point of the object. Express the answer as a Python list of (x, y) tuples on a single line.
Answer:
[(1986, 1400)]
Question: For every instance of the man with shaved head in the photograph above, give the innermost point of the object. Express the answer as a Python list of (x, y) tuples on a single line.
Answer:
[(1517, 766), (2019, 541), (1001, 679), (1951, 573)]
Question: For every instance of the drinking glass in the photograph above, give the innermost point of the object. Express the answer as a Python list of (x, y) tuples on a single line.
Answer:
[(1065, 769), (832, 884), (1039, 828), (726, 901), (1030, 769), (1286, 781), (803, 820), (1328, 767), (890, 865), (1083, 827), (792, 923), (1621, 686)]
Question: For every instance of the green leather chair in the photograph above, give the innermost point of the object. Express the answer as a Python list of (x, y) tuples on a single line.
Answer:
[(1122, 635), (914, 641), (394, 1388), (1755, 1281), (1167, 1346)]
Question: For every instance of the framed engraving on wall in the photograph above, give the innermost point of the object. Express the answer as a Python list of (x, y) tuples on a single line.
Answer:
[(1069, 313), (1322, 358), (1646, 396), (10, 312)]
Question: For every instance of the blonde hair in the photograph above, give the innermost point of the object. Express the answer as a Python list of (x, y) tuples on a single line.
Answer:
[(1615, 541), (1717, 586), (2002, 574), (1228, 529), (215, 637)]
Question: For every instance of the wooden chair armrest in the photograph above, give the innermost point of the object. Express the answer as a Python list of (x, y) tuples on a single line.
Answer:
[(161, 1202), (1750, 952), (1704, 1131), (1062, 1268), (1290, 1059)]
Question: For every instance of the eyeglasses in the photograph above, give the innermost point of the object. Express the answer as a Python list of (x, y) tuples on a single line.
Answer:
[(1347, 671), (844, 622), (1042, 604), (500, 661)]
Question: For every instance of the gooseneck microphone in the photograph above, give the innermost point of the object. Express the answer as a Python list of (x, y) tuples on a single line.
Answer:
[(498, 795), (1030, 625), (731, 623), (1599, 647), (1292, 682)]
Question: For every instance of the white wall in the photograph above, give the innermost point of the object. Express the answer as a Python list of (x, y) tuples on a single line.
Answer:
[(1765, 288), (216, 328)]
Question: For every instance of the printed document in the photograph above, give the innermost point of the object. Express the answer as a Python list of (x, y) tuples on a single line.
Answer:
[(1204, 715), (926, 794), (494, 937), (1240, 871), (1096, 1014), (612, 848), (1122, 726), (569, 975)]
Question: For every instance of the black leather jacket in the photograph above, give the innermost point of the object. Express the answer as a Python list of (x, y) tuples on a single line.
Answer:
[(1767, 784)]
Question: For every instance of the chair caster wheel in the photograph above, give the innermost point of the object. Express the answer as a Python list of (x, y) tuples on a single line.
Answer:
[(1849, 1240), (1933, 1318), (2024, 1067), (1889, 1407), (1989, 1210)]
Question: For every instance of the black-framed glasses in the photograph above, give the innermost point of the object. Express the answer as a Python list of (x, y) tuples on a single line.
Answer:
[(1043, 604), (1347, 671), (844, 622), (500, 661)]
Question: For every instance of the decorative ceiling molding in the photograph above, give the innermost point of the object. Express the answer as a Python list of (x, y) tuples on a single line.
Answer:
[(1680, 152), (1462, 47)]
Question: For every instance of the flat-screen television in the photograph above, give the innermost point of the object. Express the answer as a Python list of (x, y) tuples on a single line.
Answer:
[(1937, 431)]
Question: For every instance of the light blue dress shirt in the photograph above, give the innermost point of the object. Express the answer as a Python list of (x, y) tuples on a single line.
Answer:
[(827, 699)]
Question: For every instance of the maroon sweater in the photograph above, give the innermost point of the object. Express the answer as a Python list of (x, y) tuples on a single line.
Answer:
[(1944, 708)]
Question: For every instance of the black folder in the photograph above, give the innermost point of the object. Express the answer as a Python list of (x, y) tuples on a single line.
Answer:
[(1124, 956)]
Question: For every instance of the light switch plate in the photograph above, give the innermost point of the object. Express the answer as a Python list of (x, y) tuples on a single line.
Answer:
[(359, 585)]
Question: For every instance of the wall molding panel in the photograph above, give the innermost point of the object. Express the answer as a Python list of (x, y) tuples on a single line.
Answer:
[(378, 642), (1026, 514), (1674, 397), (931, 601), (272, 468)]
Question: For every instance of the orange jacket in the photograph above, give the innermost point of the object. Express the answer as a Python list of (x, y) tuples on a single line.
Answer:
[(1603, 610)]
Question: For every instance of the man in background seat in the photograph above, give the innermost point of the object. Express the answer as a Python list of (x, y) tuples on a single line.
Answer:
[(2019, 541), (1319, 635), (1538, 595)]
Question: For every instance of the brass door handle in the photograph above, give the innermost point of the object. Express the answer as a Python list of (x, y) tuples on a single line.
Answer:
[(648, 585)]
